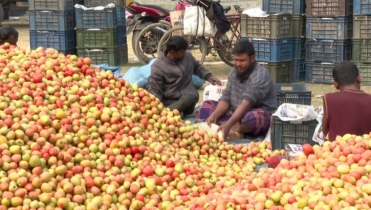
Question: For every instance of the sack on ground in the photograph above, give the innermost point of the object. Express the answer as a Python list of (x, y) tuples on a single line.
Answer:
[(196, 23)]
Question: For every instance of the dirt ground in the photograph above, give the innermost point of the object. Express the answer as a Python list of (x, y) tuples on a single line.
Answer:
[(218, 68)]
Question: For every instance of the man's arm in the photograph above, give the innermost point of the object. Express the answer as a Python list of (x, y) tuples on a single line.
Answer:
[(239, 112), (200, 70), (325, 123), (155, 86)]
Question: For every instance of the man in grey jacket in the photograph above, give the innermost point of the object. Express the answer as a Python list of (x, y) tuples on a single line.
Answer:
[(171, 77), (247, 102)]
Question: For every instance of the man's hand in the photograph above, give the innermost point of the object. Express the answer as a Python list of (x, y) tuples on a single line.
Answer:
[(214, 81), (225, 128), (210, 120)]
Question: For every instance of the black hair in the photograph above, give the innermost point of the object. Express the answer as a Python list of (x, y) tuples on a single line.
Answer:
[(345, 73), (176, 43), (6, 32), (244, 47)]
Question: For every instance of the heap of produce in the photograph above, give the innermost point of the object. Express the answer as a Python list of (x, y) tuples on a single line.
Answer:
[(73, 137)]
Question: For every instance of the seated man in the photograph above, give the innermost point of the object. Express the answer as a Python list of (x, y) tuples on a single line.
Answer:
[(171, 77), (346, 111), (247, 102), (8, 35)]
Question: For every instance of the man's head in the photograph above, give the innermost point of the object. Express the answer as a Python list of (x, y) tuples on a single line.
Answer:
[(8, 35), (345, 74), (176, 47), (244, 56)]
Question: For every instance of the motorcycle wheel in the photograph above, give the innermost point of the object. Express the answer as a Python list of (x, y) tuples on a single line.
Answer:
[(197, 45), (147, 41)]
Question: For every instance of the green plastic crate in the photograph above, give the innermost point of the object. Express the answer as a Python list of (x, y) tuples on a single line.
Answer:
[(110, 56), (361, 50), (284, 132), (365, 72), (273, 26), (280, 71), (96, 37), (298, 25), (361, 27)]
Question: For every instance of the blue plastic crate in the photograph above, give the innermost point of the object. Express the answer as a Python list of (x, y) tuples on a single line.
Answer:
[(273, 50), (121, 16), (298, 70), (52, 20), (124, 58), (329, 50), (361, 7), (279, 6), (121, 35), (319, 72), (58, 5), (106, 18), (59, 40), (298, 48), (329, 28)]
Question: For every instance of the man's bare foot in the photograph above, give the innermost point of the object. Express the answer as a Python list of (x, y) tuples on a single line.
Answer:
[(235, 135), (240, 128)]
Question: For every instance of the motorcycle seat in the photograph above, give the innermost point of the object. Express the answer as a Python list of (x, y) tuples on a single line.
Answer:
[(154, 7), (226, 8)]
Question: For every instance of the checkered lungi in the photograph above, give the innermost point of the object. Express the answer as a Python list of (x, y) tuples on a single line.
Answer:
[(257, 120)]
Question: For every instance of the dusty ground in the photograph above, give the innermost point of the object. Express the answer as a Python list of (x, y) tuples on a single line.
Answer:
[(218, 68)]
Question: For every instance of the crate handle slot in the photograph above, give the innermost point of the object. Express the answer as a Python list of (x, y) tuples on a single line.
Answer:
[(46, 32), (326, 63), (296, 122), (327, 18), (95, 50), (94, 29)]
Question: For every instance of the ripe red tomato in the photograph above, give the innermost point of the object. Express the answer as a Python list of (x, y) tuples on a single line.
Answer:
[(307, 149)]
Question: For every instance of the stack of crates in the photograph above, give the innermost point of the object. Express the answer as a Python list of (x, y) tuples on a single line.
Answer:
[(361, 52), (272, 40), (329, 32), (101, 34), (52, 25), (297, 9)]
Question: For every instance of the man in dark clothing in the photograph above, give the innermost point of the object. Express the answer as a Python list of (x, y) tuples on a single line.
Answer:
[(248, 101), (8, 35), (171, 77)]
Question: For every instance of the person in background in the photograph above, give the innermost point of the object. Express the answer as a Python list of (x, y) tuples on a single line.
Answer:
[(345, 111), (171, 77), (348, 110), (9, 35), (247, 102)]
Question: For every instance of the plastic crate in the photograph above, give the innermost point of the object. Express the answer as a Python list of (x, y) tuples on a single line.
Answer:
[(319, 72), (328, 8), (284, 132), (298, 48), (298, 70), (121, 16), (59, 40), (124, 54), (273, 26), (293, 93), (273, 50), (361, 27), (68, 52), (106, 18), (110, 56), (329, 28), (121, 35), (361, 50), (279, 71), (365, 73), (361, 7), (97, 38), (95, 3), (52, 20), (329, 50), (51, 5), (279, 6), (298, 26)]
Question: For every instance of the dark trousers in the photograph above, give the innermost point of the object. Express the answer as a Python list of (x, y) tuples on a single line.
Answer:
[(185, 104)]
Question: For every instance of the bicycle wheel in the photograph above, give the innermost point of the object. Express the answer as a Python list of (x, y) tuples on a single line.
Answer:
[(147, 41), (197, 45), (225, 53)]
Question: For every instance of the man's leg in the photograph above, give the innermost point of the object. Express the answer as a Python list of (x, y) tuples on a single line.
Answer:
[(185, 103), (206, 109), (256, 121)]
